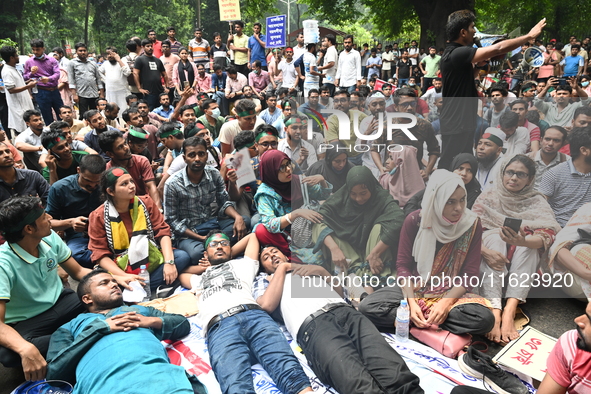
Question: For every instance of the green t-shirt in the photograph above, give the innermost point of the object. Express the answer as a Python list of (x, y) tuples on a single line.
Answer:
[(431, 65), (64, 172), (213, 129), (31, 284)]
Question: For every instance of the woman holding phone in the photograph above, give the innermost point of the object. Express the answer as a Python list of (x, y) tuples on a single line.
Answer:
[(183, 75), (512, 202)]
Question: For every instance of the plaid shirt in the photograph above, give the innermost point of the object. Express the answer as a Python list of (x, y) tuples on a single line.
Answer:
[(187, 205), (261, 282)]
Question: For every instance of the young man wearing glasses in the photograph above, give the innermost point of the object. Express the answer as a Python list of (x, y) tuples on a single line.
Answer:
[(294, 146)]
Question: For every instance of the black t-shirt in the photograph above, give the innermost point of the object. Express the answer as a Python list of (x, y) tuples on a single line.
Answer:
[(220, 59), (151, 69), (460, 98), (403, 69)]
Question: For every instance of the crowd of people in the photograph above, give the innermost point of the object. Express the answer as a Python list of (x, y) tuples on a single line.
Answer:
[(109, 167)]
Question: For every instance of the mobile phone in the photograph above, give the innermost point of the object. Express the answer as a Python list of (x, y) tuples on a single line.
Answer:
[(56, 155), (513, 224), (562, 81), (186, 84), (159, 160)]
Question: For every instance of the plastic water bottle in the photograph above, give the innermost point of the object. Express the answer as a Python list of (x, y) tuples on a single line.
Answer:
[(145, 275), (34, 89), (402, 322)]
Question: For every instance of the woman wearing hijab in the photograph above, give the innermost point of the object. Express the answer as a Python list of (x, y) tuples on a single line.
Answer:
[(361, 226), (334, 167), (465, 165), (403, 177), (185, 71), (128, 231), (512, 196), (443, 240), (279, 198)]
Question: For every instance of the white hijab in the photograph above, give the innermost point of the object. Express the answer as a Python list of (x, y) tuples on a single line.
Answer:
[(434, 227)]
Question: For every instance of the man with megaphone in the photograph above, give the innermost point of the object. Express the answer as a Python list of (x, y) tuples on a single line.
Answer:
[(460, 103)]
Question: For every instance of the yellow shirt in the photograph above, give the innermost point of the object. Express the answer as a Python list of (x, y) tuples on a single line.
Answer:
[(240, 58)]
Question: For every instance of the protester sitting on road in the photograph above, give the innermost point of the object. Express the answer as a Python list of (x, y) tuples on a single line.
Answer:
[(279, 199), (361, 226), (512, 196), (466, 166), (440, 243), (128, 231)]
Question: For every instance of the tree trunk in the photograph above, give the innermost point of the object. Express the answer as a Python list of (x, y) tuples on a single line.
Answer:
[(433, 18), (86, 22)]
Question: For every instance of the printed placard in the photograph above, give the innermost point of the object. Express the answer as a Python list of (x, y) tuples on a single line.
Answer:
[(275, 31)]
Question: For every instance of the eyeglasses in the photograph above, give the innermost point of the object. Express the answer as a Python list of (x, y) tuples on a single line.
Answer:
[(520, 174), (214, 244), (343, 100), (407, 104), (272, 144), (284, 167)]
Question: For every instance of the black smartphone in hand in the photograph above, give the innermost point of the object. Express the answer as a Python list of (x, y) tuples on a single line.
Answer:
[(513, 224)]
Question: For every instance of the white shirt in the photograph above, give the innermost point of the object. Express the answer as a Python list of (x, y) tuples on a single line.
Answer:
[(17, 103), (178, 163), (413, 51), (297, 51), (518, 143), (349, 70), (289, 73), (310, 65), (332, 56), (224, 286), (28, 137), (115, 76), (231, 129), (487, 176), (295, 154), (296, 306)]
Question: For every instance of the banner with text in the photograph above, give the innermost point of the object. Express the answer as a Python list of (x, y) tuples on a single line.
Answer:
[(275, 31), (229, 10)]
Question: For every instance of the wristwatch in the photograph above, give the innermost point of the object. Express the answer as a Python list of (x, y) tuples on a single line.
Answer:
[(171, 262)]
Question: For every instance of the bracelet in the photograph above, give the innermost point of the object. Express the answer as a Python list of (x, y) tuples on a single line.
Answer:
[(287, 218)]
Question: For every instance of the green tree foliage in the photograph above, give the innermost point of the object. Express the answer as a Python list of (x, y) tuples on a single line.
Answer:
[(113, 22)]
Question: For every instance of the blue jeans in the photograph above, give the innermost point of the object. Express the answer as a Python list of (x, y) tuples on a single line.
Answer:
[(78, 244), (196, 248), (47, 101), (237, 342), (181, 261), (220, 98), (402, 82)]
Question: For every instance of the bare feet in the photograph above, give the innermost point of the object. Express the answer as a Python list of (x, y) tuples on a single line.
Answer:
[(495, 334), (508, 331)]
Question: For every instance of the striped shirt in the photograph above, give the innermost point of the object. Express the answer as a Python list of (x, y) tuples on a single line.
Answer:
[(570, 366), (187, 205), (199, 50), (567, 190), (85, 78)]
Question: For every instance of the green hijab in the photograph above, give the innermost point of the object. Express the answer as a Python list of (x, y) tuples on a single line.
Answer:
[(353, 222)]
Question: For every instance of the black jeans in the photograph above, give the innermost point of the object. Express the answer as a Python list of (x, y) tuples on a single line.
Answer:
[(86, 103), (38, 329), (380, 307), (347, 352)]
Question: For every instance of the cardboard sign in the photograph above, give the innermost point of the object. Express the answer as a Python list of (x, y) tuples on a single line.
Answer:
[(275, 30), (229, 10), (528, 353)]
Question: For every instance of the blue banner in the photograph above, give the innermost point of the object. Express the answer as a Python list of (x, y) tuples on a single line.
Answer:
[(275, 31)]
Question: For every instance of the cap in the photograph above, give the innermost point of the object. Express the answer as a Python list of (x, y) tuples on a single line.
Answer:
[(495, 135)]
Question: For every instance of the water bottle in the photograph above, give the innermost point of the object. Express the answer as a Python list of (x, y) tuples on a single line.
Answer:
[(34, 89), (402, 322), (145, 275)]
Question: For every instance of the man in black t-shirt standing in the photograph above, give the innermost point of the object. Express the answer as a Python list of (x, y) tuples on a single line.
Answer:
[(147, 71), (460, 103)]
